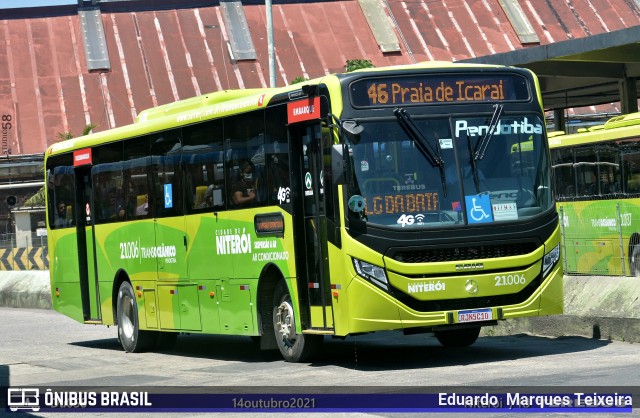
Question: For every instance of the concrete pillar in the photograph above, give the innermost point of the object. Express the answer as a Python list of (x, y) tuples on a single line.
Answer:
[(628, 95), (559, 119), (23, 229)]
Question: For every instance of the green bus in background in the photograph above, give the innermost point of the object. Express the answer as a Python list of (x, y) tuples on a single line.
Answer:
[(392, 198), (597, 184)]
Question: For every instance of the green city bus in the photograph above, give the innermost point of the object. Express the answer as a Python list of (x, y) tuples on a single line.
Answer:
[(381, 199), (597, 185)]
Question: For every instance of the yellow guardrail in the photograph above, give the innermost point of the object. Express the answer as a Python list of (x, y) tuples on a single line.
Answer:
[(33, 258)]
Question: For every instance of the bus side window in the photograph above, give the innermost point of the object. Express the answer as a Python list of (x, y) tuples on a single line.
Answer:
[(166, 174), (61, 180), (245, 154), (204, 167), (276, 157), (136, 156)]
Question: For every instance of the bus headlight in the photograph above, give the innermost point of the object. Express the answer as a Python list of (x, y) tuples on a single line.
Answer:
[(374, 274), (550, 260)]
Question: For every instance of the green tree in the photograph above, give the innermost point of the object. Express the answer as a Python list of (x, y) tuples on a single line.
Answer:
[(63, 136), (357, 64), (298, 79)]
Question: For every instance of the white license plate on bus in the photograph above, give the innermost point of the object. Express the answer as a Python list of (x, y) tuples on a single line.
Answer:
[(475, 315)]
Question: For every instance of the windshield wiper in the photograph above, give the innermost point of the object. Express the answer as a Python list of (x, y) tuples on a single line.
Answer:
[(481, 147), (474, 168), (432, 155), (483, 143)]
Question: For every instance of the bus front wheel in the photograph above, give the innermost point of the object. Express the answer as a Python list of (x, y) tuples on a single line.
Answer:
[(294, 347), (458, 337), (133, 339)]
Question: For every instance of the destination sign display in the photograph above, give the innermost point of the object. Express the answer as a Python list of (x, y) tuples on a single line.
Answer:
[(394, 204), (438, 88)]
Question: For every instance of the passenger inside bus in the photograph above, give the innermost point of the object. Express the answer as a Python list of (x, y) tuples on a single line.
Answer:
[(61, 220), (142, 208), (590, 187), (121, 212), (204, 199), (243, 191)]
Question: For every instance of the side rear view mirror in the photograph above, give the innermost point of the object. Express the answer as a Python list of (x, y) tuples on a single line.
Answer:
[(352, 130)]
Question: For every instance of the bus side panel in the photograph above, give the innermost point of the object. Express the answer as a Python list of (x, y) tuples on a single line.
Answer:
[(592, 235), (237, 310), (210, 317), (170, 250), (249, 253), (206, 267), (64, 273), (373, 310), (126, 247), (340, 278), (552, 293)]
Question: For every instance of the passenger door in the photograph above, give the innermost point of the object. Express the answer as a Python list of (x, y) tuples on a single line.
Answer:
[(312, 266), (87, 261)]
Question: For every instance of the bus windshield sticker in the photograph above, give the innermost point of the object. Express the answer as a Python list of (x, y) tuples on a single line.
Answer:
[(511, 128), (505, 211), (479, 208), (168, 196), (446, 143), (308, 184), (284, 195)]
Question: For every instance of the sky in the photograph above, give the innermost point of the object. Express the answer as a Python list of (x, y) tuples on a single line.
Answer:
[(8, 4)]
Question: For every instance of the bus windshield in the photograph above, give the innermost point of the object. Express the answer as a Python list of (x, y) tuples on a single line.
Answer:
[(432, 172)]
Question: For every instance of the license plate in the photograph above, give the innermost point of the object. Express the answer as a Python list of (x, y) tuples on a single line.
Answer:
[(475, 315)]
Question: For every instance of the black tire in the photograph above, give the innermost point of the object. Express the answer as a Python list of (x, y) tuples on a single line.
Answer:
[(458, 337), (293, 347), (165, 340), (634, 260), (133, 340)]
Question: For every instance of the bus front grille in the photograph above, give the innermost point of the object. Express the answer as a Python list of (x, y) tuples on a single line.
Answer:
[(470, 252)]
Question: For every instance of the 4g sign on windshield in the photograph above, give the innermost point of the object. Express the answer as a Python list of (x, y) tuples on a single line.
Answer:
[(428, 89)]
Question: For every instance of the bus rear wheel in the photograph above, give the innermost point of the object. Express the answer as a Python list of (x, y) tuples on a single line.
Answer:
[(294, 347), (133, 339), (458, 337)]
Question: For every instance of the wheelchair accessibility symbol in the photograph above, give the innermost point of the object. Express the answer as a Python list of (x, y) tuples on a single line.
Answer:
[(168, 196), (479, 208)]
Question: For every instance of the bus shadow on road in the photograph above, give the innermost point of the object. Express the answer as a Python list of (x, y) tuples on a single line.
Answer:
[(390, 350), (215, 347)]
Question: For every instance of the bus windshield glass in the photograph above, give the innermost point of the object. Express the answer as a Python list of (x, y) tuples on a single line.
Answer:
[(433, 172)]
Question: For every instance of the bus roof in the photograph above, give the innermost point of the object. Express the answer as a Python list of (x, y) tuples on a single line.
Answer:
[(228, 102), (618, 127)]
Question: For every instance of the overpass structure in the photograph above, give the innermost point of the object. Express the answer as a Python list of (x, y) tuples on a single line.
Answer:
[(595, 70)]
